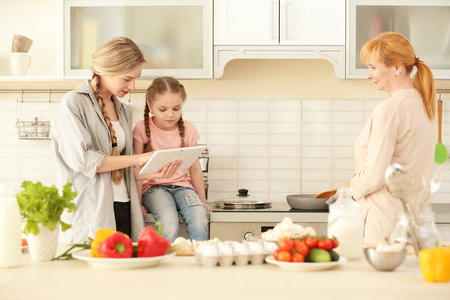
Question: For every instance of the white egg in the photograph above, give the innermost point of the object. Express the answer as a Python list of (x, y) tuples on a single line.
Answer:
[(210, 250), (225, 249), (240, 249), (269, 247), (255, 248), (200, 248)]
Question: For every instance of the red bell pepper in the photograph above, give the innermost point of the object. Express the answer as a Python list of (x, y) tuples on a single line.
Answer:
[(151, 243), (118, 245)]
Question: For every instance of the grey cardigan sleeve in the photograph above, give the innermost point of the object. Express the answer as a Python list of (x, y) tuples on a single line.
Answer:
[(73, 139)]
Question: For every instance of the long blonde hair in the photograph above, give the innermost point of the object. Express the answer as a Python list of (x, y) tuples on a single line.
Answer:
[(391, 48), (160, 86), (116, 56)]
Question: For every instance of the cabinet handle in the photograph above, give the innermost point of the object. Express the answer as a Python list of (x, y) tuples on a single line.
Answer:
[(289, 18), (274, 20)]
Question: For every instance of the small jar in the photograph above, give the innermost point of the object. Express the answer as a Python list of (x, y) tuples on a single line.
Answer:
[(427, 234), (399, 236)]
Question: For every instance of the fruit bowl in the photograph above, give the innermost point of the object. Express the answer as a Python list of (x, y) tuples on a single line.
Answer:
[(385, 260)]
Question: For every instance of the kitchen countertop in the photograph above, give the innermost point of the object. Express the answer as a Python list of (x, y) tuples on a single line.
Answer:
[(180, 277)]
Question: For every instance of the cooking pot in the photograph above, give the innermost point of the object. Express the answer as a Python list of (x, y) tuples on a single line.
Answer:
[(242, 201), (307, 202)]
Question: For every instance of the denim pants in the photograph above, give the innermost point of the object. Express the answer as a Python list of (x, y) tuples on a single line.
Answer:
[(164, 202)]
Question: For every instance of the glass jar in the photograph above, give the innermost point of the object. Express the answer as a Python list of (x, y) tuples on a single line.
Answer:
[(399, 236), (427, 234), (345, 222)]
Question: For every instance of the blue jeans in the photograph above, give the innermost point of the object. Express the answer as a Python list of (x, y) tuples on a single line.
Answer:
[(166, 201)]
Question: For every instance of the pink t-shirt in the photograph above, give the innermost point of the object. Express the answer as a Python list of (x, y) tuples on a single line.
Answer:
[(163, 139)]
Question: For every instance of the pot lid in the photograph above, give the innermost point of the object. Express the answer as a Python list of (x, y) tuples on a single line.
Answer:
[(242, 200), (241, 196)]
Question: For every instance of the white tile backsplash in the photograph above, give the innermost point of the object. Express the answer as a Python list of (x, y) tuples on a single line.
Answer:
[(270, 147)]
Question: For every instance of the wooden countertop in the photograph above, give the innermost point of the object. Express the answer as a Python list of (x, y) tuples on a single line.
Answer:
[(180, 277)]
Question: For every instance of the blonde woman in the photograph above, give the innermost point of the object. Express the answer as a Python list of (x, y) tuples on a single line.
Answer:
[(400, 130), (93, 145)]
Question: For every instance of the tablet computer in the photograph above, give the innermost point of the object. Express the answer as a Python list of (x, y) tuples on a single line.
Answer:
[(188, 155)]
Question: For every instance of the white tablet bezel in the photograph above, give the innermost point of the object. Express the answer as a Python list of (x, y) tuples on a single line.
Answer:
[(188, 155)]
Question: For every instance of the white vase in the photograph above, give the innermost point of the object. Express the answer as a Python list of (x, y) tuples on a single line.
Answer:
[(43, 246)]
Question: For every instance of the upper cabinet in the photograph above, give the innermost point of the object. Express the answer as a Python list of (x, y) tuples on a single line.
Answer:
[(246, 22), (279, 22), (425, 23), (279, 29), (175, 36), (312, 22)]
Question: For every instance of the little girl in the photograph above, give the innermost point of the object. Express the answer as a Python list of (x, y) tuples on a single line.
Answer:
[(184, 192)]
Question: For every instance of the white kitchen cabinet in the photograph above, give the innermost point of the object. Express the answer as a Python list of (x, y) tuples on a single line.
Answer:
[(425, 23), (312, 22), (175, 36), (246, 22), (37, 20), (279, 22), (279, 29)]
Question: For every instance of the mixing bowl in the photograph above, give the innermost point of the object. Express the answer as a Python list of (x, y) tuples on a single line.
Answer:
[(385, 260)]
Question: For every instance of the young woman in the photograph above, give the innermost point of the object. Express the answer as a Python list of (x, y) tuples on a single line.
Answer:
[(93, 145), (400, 130), (184, 192)]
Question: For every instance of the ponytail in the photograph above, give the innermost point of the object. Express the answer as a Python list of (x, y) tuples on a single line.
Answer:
[(116, 175), (423, 82)]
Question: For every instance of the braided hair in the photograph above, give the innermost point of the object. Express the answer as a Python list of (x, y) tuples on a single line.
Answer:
[(116, 56), (160, 86)]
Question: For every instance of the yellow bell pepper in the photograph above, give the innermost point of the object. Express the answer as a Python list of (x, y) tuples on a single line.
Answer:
[(435, 264), (101, 235)]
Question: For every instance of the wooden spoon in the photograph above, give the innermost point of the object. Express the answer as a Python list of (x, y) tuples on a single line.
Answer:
[(326, 194), (440, 154)]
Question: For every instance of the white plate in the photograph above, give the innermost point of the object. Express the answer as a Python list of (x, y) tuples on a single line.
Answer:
[(120, 263), (306, 266)]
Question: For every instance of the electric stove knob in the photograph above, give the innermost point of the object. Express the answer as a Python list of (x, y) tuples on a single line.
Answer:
[(248, 235)]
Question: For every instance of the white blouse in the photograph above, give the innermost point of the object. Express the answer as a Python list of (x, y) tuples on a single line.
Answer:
[(120, 190)]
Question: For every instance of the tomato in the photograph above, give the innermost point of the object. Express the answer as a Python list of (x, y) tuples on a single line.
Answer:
[(275, 253), (311, 242), (334, 243), (324, 244), (286, 244), (284, 256), (302, 248), (24, 242), (298, 258)]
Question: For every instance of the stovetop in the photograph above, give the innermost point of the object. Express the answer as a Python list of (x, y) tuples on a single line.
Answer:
[(276, 207)]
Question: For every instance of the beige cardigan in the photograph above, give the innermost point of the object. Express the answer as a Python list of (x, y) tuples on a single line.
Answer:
[(81, 140), (398, 131)]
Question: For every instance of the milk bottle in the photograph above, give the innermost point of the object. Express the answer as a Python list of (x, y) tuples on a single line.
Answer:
[(10, 227), (345, 222)]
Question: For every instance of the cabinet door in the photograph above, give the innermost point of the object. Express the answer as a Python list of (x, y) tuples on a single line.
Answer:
[(175, 36), (246, 22), (312, 22)]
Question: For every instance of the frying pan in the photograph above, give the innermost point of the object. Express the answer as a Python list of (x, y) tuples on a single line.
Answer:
[(307, 202)]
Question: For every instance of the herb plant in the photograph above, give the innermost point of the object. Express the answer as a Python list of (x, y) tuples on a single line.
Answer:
[(42, 204)]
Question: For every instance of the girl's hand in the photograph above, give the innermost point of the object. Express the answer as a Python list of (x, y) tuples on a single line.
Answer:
[(168, 170), (207, 207), (144, 211)]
